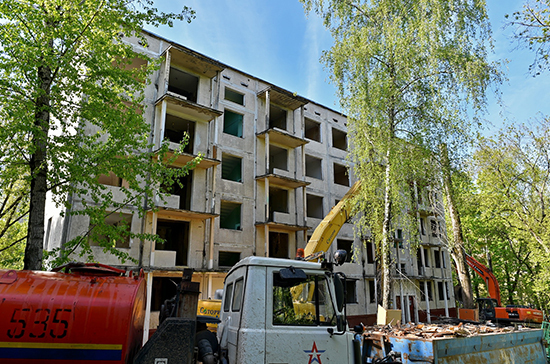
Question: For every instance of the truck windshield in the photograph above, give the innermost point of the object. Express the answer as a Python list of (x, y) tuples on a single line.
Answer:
[(306, 303)]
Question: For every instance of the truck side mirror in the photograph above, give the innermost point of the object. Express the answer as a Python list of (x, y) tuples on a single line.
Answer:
[(340, 293), (340, 256)]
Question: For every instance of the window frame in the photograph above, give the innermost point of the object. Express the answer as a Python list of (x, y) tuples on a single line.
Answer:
[(236, 302), (225, 127), (234, 92)]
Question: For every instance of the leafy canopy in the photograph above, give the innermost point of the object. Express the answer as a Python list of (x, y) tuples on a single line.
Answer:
[(409, 70), (532, 26), (70, 60), (408, 75)]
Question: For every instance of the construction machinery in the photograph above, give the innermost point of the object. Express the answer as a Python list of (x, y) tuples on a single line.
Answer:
[(320, 241), (491, 308), (273, 311), (324, 234)]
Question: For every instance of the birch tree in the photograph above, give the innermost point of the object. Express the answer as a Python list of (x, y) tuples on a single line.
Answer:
[(63, 65), (407, 74), (532, 26)]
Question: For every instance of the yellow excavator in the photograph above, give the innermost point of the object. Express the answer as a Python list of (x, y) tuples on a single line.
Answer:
[(318, 244), (324, 234)]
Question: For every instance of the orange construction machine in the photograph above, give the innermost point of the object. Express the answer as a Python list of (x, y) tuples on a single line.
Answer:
[(491, 308)]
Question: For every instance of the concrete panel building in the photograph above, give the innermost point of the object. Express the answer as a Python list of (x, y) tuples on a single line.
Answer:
[(274, 164)]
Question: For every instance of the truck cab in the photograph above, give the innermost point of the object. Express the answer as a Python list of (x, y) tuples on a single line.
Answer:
[(284, 311)]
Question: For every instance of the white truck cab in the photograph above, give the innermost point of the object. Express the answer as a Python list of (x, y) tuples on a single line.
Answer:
[(284, 311)]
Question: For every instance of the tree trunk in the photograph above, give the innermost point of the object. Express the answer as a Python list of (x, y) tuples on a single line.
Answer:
[(457, 245), (39, 173), (386, 257)]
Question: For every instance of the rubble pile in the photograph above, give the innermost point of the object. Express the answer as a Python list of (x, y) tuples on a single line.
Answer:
[(431, 331)]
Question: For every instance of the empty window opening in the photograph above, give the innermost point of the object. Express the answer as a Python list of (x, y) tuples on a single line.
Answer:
[(427, 257), (228, 259), (423, 294), (277, 117), (180, 131), (437, 258), (183, 84), (234, 96), (372, 291), (351, 291), (230, 215), (370, 252), (314, 206), (176, 238), (313, 130), (339, 139), (419, 260), (314, 167), (163, 289), (441, 295), (398, 241), (231, 168), (110, 179), (278, 200), (341, 175), (115, 233), (180, 187), (278, 245), (346, 245), (233, 123), (278, 158)]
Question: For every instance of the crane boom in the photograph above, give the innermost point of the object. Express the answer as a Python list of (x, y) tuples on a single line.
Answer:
[(488, 277), (324, 234)]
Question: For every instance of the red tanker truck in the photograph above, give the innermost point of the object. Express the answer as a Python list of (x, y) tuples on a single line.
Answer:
[(91, 314)]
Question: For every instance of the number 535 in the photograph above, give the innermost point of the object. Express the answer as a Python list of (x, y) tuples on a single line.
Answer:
[(42, 323)]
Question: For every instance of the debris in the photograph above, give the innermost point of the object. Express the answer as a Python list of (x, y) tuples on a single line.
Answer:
[(441, 330)]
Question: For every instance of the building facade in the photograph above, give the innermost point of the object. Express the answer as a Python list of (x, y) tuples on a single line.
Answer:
[(273, 166)]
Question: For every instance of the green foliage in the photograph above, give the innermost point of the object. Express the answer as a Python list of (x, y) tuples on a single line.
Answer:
[(408, 74), (71, 105), (12, 245), (509, 220), (533, 30), (13, 214)]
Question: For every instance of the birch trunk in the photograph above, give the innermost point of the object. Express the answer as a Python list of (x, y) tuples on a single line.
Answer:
[(39, 174), (457, 242)]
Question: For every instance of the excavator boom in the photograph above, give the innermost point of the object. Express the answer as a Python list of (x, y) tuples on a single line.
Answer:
[(324, 234), (500, 314), (488, 277)]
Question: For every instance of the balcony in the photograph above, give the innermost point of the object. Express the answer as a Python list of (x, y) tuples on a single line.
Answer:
[(178, 104), (282, 137), (283, 97)]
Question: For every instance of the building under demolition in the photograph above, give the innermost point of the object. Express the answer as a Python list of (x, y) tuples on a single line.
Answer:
[(274, 165)]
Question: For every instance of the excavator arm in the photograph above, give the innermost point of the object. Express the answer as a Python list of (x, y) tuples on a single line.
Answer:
[(487, 275), (324, 234)]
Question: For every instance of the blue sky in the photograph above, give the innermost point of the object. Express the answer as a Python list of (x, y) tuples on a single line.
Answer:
[(276, 41)]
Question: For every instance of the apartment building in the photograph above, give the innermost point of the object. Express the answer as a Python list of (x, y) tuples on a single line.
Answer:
[(274, 164)]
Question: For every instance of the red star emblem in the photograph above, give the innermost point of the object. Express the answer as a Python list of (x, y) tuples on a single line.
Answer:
[(314, 354)]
